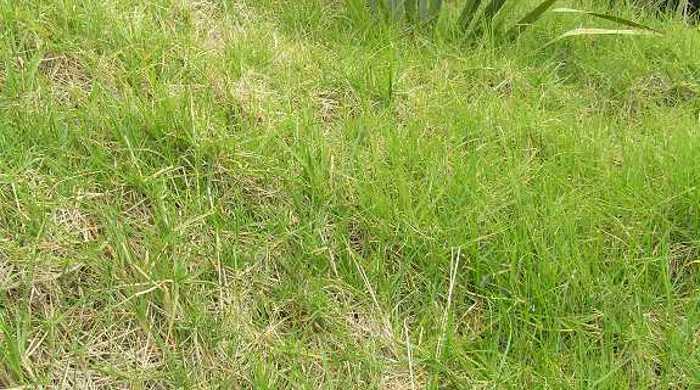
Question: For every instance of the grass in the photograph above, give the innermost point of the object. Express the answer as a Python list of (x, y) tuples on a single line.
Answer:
[(270, 194)]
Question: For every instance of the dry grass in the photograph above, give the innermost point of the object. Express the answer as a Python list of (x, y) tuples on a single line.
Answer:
[(268, 194), (70, 81)]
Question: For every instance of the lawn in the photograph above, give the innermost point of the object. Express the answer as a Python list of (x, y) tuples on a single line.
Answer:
[(296, 194)]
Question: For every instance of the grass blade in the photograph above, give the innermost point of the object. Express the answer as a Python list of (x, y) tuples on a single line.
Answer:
[(435, 8), (492, 10), (429, 10), (530, 18), (488, 16), (373, 6), (468, 12), (411, 9), (612, 18), (599, 31)]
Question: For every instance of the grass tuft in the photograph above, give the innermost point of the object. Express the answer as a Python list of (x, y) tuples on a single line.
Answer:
[(276, 194)]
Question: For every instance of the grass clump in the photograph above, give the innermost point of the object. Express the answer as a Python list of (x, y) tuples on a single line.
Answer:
[(273, 194)]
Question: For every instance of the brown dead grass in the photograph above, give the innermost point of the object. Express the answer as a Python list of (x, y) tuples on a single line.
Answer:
[(399, 377), (328, 103), (112, 348), (70, 80), (3, 78), (213, 28), (77, 223)]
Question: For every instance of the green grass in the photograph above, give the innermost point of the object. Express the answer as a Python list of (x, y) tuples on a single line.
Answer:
[(272, 194)]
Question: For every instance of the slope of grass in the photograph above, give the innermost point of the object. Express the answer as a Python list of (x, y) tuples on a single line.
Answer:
[(211, 193)]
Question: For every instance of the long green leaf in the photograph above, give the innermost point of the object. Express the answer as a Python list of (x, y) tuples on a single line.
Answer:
[(599, 31), (435, 7), (411, 8), (391, 8), (530, 18), (373, 6), (429, 10), (468, 12), (492, 10), (612, 18), (487, 18)]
